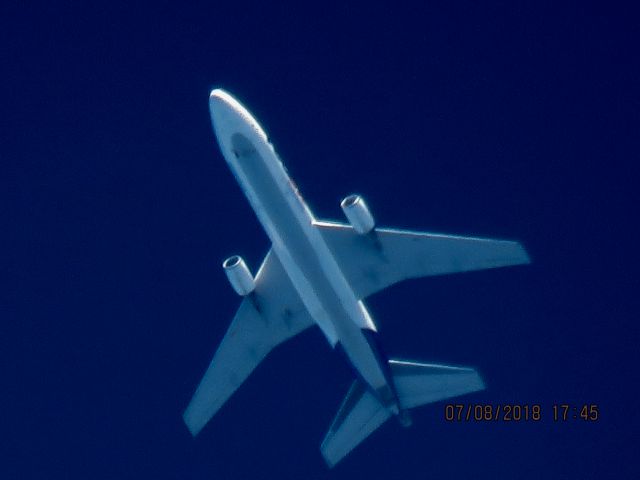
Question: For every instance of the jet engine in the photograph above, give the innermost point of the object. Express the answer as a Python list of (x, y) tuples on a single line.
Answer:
[(357, 212), (239, 275)]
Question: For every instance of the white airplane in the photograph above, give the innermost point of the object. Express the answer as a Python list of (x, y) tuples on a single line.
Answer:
[(317, 273)]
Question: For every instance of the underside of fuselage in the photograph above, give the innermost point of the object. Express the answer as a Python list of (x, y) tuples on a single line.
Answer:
[(378, 378), (307, 260)]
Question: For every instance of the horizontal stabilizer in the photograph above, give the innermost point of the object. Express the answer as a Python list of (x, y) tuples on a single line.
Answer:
[(360, 415), (422, 383), (416, 384)]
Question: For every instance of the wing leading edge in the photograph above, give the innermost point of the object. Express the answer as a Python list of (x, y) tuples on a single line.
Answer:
[(376, 261), (271, 315)]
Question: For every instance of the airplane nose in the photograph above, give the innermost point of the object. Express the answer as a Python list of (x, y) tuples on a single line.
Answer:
[(225, 115), (220, 105), (229, 116), (218, 93)]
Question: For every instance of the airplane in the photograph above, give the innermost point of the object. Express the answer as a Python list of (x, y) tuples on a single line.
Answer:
[(318, 273)]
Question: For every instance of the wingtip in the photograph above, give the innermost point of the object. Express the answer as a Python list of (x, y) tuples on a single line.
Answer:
[(329, 461), (192, 424), (480, 382), (520, 254)]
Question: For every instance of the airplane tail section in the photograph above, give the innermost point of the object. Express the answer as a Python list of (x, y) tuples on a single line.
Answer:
[(359, 416), (421, 383), (361, 413)]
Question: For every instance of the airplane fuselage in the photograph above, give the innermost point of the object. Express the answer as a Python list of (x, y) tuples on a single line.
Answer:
[(318, 272), (299, 245)]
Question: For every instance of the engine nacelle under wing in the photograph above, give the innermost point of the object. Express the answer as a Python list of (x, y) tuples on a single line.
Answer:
[(239, 275), (357, 212)]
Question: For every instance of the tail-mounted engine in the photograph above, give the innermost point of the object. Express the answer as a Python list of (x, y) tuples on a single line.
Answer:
[(357, 212), (239, 275)]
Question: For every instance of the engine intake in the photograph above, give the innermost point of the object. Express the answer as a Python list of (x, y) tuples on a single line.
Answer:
[(239, 275), (357, 212)]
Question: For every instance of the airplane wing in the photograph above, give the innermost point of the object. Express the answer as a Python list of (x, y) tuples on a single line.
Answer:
[(373, 262), (273, 314)]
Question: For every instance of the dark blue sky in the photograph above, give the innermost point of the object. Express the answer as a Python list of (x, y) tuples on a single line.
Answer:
[(508, 121)]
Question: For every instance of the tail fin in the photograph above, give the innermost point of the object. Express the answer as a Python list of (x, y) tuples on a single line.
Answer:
[(361, 413)]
